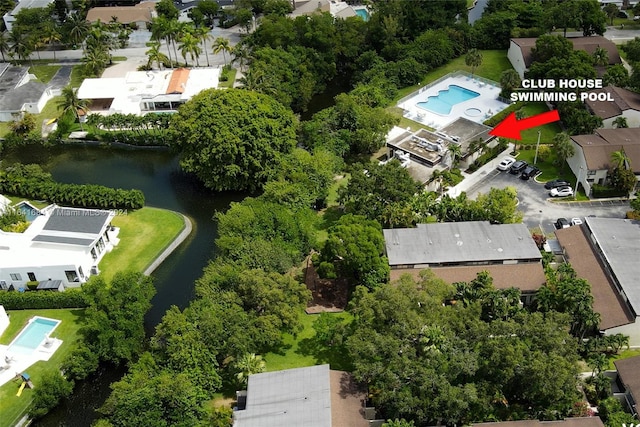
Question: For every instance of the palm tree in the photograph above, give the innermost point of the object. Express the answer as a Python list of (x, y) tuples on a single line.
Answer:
[(456, 152), (155, 55), (176, 31), (620, 159), (220, 44), (473, 59), (78, 28), (189, 44), (509, 80), (71, 102), (564, 147), (241, 55), (95, 59), (19, 45), (203, 33), (598, 361), (51, 36), (249, 364), (4, 44), (160, 31), (620, 122), (600, 56)]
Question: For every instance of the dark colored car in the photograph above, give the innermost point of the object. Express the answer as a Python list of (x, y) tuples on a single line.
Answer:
[(555, 184), (517, 167), (562, 223), (529, 172)]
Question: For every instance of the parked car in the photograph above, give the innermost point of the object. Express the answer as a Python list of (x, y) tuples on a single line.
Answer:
[(517, 167), (562, 223), (561, 192), (506, 163), (529, 172), (576, 221), (556, 183)]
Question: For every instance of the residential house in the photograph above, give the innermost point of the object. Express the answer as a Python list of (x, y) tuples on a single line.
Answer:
[(592, 159), (10, 17), (309, 7), (604, 251), (625, 104), (139, 15), (628, 380), (313, 397), (141, 92), (18, 93), (521, 57), (458, 251), (4, 203), (62, 244)]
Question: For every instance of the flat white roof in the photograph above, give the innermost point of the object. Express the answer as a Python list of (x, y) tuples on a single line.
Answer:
[(129, 91), (29, 4)]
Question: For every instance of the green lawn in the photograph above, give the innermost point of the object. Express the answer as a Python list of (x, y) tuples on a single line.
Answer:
[(530, 136), (44, 73), (303, 350), (11, 406), (494, 62), (144, 234), (231, 80), (37, 204), (550, 171), (626, 354)]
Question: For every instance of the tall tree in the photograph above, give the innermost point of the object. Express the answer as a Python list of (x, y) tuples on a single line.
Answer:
[(190, 45), (473, 59), (71, 102), (154, 55), (204, 35), (247, 365), (563, 147), (4, 45), (509, 81), (221, 44), (611, 10)]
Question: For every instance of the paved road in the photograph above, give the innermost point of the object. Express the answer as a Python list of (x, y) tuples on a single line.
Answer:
[(615, 34), (539, 210)]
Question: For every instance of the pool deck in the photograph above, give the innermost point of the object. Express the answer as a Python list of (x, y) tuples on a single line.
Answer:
[(487, 102)]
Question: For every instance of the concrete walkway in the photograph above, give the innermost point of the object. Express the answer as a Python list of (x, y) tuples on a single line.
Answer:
[(186, 231)]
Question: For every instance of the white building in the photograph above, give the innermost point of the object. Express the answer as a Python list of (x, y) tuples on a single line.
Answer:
[(61, 244), (141, 92), (10, 17), (20, 92)]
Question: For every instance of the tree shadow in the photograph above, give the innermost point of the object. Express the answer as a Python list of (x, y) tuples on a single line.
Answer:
[(330, 217), (335, 356)]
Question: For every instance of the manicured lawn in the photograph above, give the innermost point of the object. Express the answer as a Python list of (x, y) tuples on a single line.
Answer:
[(77, 76), (44, 73), (303, 350), (37, 204), (232, 78), (11, 406), (494, 62), (143, 236), (530, 136)]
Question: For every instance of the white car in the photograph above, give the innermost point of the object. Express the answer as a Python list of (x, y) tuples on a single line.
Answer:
[(561, 192), (576, 221), (506, 163)]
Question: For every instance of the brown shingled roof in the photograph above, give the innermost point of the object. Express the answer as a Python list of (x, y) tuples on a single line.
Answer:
[(629, 373), (569, 422), (606, 300), (598, 148), (588, 44), (526, 276), (623, 100), (125, 14), (178, 81)]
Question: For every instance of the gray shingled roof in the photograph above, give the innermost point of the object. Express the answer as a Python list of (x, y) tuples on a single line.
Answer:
[(13, 100), (618, 240), (77, 220), (459, 242), (294, 397)]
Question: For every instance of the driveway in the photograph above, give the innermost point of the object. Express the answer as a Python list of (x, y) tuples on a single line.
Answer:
[(541, 211)]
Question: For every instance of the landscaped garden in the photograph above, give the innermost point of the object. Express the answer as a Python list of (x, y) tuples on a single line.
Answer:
[(144, 234), (13, 407)]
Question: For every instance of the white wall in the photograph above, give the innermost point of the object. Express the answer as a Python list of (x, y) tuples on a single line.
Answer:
[(632, 330), (52, 272), (576, 162), (517, 60), (632, 116), (4, 320)]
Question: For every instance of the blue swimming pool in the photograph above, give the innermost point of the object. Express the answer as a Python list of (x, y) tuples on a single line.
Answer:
[(363, 13), (29, 211), (442, 103), (33, 335)]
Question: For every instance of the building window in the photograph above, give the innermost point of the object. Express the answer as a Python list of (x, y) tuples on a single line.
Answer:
[(15, 276), (32, 277), (81, 272), (72, 276), (93, 253), (591, 173)]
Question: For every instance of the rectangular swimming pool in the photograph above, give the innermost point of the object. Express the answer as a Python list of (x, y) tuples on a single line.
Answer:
[(442, 103), (33, 335), (29, 211)]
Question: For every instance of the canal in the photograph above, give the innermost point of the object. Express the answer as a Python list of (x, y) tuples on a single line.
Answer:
[(158, 175)]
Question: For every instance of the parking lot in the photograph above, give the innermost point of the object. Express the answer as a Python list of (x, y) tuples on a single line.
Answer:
[(541, 211)]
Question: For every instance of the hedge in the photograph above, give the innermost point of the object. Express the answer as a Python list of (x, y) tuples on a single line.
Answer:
[(601, 191), (71, 298)]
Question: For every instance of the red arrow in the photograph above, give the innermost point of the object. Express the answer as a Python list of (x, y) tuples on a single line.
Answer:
[(511, 127)]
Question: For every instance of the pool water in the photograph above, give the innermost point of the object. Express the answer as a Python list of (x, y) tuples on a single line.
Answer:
[(446, 99), (33, 335), (362, 13), (29, 211)]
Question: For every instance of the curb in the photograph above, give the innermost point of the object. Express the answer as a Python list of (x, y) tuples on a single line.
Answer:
[(186, 231)]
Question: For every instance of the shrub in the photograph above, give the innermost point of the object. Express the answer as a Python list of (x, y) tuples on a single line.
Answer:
[(503, 114), (72, 298), (52, 388), (602, 191), (32, 285)]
